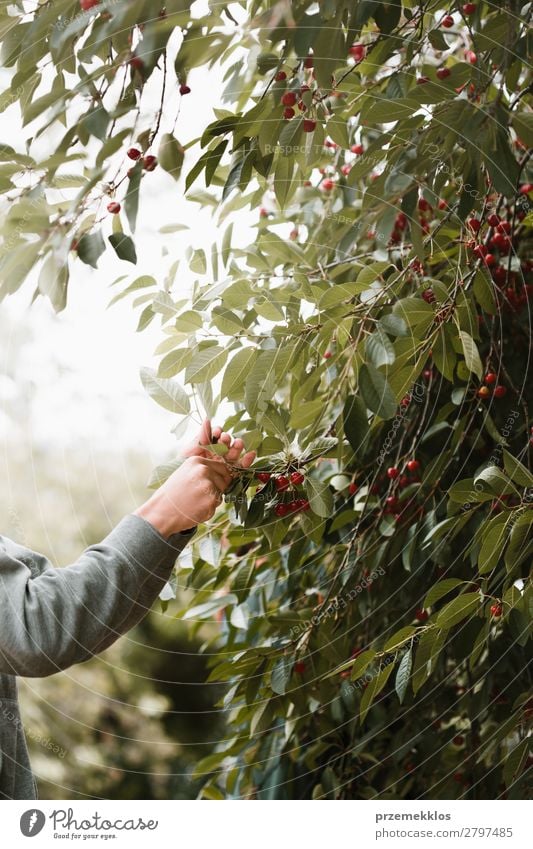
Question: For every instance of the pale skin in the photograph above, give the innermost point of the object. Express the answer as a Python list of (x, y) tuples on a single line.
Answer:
[(193, 492)]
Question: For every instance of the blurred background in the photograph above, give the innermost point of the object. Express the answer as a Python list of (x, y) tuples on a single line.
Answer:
[(79, 439)]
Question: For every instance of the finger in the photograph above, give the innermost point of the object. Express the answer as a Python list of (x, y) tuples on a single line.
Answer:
[(219, 474), (247, 459), (235, 451), (216, 432), (225, 438), (205, 435)]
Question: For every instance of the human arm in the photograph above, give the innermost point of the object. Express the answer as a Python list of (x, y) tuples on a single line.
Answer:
[(52, 618)]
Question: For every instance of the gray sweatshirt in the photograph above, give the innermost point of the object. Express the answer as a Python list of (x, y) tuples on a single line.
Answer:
[(52, 618)]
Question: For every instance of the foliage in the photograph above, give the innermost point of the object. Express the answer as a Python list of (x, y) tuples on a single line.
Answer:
[(374, 636)]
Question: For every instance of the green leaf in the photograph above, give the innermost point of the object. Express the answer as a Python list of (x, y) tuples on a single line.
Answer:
[(166, 393), (515, 761), (361, 663), (472, 358), (458, 609), (376, 392), (484, 291), (428, 649), (379, 349), (494, 540), (441, 589), (90, 248), (373, 689), (124, 247), (319, 496), (171, 155), (403, 674), (355, 421), (397, 639), (236, 372), (516, 470), (281, 674), (131, 201), (205, 364)]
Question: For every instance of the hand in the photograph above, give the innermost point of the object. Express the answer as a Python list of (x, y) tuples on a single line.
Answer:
[(207, 436), (193, 492)]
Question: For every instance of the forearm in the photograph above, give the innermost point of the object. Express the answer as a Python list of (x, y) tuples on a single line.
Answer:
[(64, 616)]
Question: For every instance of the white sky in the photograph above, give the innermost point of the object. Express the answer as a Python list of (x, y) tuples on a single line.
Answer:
[(84, 363)]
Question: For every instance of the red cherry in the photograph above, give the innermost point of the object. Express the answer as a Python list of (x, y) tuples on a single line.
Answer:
[(393, 472), (483, 392), (428, 296), (442, 204), (328, 185), (88, 4), (471, 57), (500, 241), (427, 374), (184, 89), (469, 8), (263, 213), (422, 80), (474, 224), (301, 106), (499, 274), (403, 481), (134, 153), (500, 391), (299, 667), (308, 62), (264, 477), (490, 378), (305, 504), (309, 125), (493, 220), (297, 478), (280, 76), (150, 163), (421, 615), (480, 251), (447, 22), (526, 188), (288, 113), (423, 204), (442, 73), (357, 51), (352, 489), (357, 149), (327, 355), (496, 610), (289, 98), (282, 483), (136, 63), (413, 465), (504, 227), (346, 170), (281, 509), (459, 740), (391, 501), (113, 207), (490, 259)]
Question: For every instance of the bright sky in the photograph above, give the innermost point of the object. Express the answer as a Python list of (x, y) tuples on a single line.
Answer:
[(84, 363)]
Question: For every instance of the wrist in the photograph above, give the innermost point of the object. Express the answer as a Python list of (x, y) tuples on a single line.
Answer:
[(163, 516)]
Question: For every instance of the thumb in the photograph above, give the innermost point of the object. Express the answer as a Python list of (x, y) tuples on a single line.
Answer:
[(205, 436)]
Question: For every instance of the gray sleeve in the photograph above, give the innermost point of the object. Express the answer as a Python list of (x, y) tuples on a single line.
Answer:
[(53, 618)]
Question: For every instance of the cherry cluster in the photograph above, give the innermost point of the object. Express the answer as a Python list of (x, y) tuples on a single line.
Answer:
[(282, 484)]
